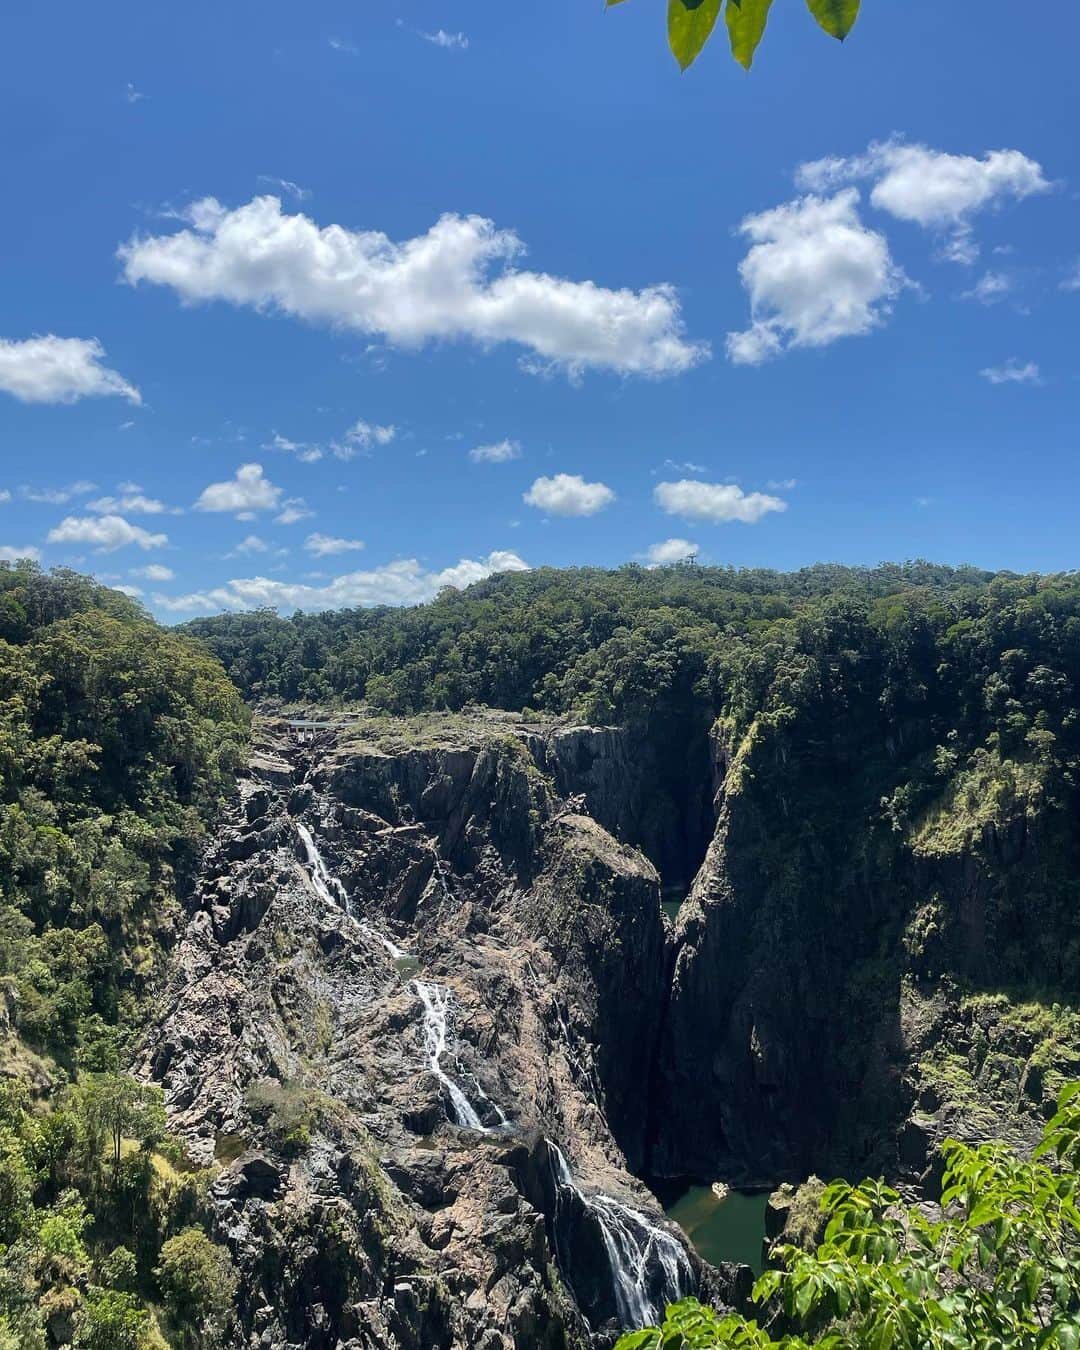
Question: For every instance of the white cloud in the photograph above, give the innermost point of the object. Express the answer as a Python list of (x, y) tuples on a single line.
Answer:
[(932, 188), (249, 544), (286, 186), (498, 453), (341, 45), (132, 94), (782, 484), (5, 495), (324, 545), (814, 273), (362, 436), (405, 582), (451, 41), (568, 494), (990, 288), (294, 509), (57, 496), (1012, 372), (134, 591), (52, 369), (671, 551), (304, 452), (1072, 280), (154, 572), (12, 552), (243, 495), (457, 281), (715, 502), (132, 503), (104, 534), (684, 466)]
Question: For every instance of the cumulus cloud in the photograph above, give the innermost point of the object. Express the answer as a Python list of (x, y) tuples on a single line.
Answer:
[(990, 288), (243, 495), (814, 273), (451, 41), (931, 188), (154, 572), (568, 494), (104, 534), (304, 452), (13, 552), (50, 369), (131, 502), (1012, 372), (671, 551), (293, 509), (362, 436), (405, 582), (57, 496), (715, 502), (498, 453), (325, 545), (459, 281), (250, 544)]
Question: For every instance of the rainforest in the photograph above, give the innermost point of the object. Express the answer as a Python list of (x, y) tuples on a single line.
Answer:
[(381, 977)]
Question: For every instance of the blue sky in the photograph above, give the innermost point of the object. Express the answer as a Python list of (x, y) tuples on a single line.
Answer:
[(481, 286)]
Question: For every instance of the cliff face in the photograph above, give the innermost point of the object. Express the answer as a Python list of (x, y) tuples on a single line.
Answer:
[(414, 1016), (837, 1001), (431, 1020)]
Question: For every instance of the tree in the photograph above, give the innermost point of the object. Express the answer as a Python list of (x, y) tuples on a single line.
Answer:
[(1001, 1267), (111, 1320), (198, 1282), (691, 22), (116, 1107)]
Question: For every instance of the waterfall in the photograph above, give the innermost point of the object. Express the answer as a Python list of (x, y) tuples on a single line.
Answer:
[(436, 1001), (332, 892), (634, 1246)]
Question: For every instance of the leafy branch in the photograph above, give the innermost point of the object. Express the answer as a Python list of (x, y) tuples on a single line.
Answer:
[(691, 22)]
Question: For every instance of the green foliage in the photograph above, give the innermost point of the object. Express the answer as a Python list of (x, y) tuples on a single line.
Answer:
[(1000, 1265), (691, 22), (198, 1281), (118, 740), (111, 1320)]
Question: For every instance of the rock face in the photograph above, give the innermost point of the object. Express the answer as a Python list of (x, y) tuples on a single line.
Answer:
[(431, 1020), (414, 979)]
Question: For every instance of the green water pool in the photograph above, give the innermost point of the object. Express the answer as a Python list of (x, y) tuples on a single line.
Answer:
[(731, 1229)]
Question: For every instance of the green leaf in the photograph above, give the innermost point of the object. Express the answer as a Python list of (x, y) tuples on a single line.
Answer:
[(837, 17), (689, 27), (746, 26)]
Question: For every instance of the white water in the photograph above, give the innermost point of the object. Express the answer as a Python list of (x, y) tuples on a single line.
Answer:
[(332, 892), (436, 1001), (633, 1244)]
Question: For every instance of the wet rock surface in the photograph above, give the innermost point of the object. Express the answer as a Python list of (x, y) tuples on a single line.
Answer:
[(295, 1047)]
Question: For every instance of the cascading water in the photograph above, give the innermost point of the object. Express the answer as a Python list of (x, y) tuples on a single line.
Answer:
[(330, 890), (649, 1268), (436, 1001)]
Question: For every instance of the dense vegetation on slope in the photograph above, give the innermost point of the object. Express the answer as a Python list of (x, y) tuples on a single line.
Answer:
[(608, 643), (117, 741)]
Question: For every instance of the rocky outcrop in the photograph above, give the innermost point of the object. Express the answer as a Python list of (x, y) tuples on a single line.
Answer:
[(297, 1047)]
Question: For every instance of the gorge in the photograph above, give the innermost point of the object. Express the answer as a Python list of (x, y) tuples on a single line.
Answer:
[(444, 1005)]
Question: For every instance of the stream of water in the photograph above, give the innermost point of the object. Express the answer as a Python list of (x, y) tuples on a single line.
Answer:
[(649, 1268), (436, 1001), (332, 892)]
